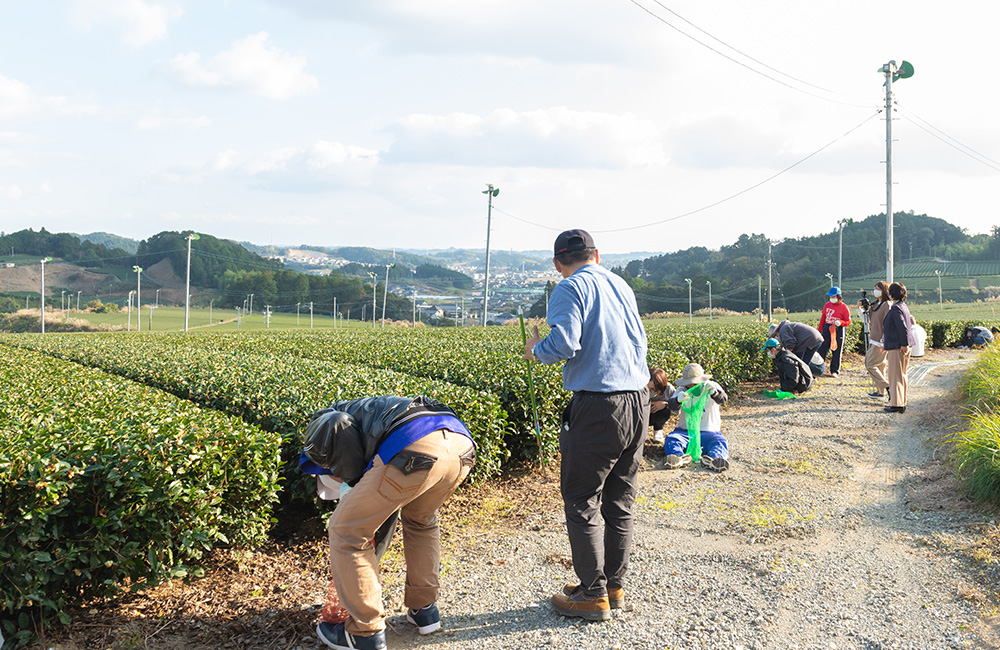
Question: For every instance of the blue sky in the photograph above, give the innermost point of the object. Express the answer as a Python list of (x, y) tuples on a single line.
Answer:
[(380, 123)]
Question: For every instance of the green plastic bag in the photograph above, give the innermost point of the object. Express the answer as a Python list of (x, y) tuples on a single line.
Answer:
[(693, 405), (779, 394)]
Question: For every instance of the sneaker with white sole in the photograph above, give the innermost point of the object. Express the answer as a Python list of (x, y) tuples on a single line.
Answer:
[(335, 636), (427, 619), (714, 464), (673, 461)]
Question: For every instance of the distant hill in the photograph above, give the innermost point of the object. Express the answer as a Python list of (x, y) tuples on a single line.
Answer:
[(109, 240), (800, 265)]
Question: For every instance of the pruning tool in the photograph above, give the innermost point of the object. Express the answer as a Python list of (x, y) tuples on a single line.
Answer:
[(531, 382)]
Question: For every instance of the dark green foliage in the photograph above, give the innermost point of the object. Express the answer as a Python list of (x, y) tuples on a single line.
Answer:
[(800, 264), (107, 484), (210, 257), (9, 304), (445, 277), (111, 241), (64, 247)]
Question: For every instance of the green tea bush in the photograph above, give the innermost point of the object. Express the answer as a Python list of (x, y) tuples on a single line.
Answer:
[(107, 484), (275, 390), (945, 334)]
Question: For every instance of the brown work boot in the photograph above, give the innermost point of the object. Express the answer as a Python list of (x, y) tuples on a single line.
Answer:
[(582, 606), (616, 595)]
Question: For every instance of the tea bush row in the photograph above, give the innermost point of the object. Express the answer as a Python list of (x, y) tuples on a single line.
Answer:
[(106, 483), (277, 392)]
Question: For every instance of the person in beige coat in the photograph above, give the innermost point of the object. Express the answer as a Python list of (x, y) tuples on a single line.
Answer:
[(876, 355)]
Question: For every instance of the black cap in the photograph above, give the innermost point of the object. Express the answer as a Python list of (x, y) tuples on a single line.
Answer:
[(573, 240)]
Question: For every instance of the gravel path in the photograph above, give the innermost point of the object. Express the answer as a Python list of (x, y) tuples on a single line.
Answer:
[(836, 528), (820, 536)]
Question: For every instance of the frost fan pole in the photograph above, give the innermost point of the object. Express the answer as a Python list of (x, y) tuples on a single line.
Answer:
[(491, 192), (904, 71)]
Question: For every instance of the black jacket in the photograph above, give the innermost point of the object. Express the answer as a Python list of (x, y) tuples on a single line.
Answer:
[(795, 375), (347, 446)]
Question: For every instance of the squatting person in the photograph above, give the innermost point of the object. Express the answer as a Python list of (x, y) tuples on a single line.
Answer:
[(596, 329)]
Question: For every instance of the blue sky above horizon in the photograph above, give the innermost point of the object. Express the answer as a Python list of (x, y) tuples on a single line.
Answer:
[(380, 123)]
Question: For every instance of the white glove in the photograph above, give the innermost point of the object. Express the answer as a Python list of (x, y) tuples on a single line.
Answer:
[(344, 489), (836, 321)]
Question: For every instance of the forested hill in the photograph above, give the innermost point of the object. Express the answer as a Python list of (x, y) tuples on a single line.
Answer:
[(211, 257), (800, 265), (63, 246)]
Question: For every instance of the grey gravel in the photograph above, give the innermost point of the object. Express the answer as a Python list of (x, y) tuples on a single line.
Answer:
[(819, 537)]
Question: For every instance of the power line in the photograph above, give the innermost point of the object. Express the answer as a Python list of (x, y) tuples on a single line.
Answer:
[(740, 63), (958, 146), (716, 203)]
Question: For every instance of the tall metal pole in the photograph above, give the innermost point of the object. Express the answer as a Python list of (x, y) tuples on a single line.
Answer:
[(374, 295), (490, 192), (840, 255), (43, 292), (385, 293), (187, 287), (940, 298), (335, 311), (690, 313), (888, 69), (138, 296), (709, 283)]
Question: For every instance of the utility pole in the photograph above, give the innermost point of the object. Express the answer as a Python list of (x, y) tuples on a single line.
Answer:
[(310, 314), (840, 255), (187, 290), (490, 191), (891, 74), (334, 311), (385, 292), (414, 308), (937, 272), (138, 297), (47, 259), (211, 303), (374, 295), (709, 283), (690, 313), (78, 301)]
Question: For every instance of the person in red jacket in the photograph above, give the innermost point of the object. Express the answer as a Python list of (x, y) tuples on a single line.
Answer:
[(833, 321)]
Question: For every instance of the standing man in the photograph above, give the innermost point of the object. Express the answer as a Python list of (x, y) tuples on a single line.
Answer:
[(596, 330), (396, 453)]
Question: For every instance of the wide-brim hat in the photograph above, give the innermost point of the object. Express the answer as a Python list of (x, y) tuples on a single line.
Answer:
[(693, 374)]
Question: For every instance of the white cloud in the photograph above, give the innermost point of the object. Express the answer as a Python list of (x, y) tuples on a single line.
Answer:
[(17, 99), (154, 120), (555, 137), (12, 192), (249, 65), (142, 22)]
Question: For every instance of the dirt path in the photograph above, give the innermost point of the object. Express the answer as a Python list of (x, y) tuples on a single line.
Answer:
[(836, 528)]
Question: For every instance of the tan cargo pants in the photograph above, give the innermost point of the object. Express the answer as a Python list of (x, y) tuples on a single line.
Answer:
[(417, 489)]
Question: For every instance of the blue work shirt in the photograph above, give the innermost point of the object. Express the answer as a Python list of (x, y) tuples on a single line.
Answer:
[(596, 328)]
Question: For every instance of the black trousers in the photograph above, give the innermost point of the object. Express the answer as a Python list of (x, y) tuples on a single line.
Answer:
[(601, 445)]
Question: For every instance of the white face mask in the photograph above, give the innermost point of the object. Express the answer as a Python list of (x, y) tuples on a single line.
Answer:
[(773, 353), (878, 293), (834, 299)]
